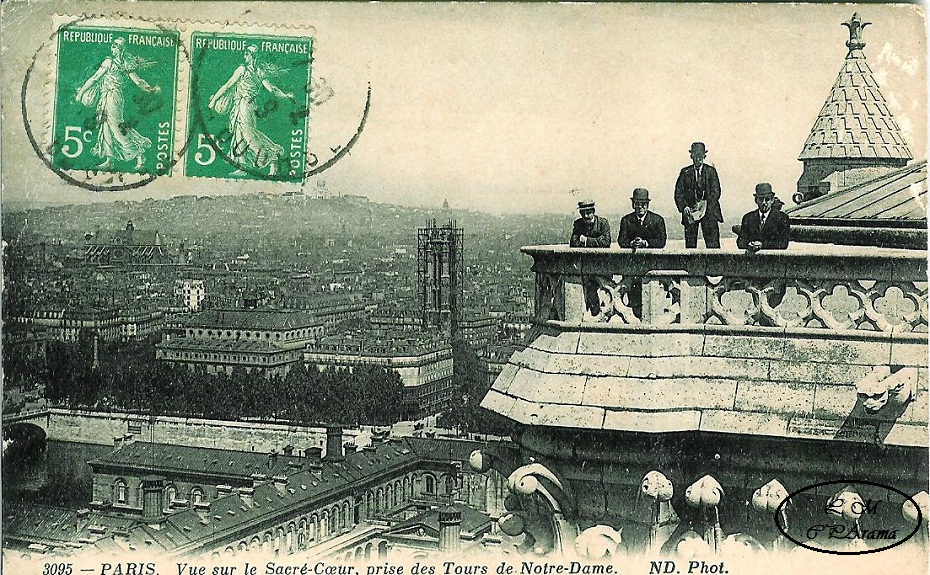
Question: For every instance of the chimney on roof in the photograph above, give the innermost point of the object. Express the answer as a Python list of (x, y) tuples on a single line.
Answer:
[(280, 483), (152, 498), (450, 529), (202, 508), (314, 453), (334, 444), (350, 448), (222, 490), (247, 494), (258, 478), (83, 518)]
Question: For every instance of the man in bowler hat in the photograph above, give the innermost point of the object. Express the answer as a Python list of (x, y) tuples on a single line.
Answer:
[(590, 230), (697, 197), (765, 228), (641, 228)]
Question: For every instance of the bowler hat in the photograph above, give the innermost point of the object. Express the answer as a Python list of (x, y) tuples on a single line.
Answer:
[(640, 194), (698, 147), (586, 206), (764, 189)]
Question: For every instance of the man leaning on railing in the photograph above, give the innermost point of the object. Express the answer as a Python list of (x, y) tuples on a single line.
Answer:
[(590, 230), (766, 228)]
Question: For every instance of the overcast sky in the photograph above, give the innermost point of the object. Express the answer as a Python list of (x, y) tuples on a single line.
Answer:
[(508, 108)]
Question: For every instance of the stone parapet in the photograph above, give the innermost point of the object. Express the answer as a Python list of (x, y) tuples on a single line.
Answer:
[(820, 343)]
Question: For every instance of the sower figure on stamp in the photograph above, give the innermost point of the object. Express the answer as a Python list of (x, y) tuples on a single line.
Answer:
[(640, 229), (249, 147), (106, 91), (591, 231), (697, 196)]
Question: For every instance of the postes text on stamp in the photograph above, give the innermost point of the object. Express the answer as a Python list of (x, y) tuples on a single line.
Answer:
[(114, 100), (249, 106)]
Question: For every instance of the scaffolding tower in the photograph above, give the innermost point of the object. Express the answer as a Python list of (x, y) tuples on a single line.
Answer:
[(440, 276)]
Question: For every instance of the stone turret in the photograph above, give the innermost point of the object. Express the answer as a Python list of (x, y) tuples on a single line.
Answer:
[(855, 137)]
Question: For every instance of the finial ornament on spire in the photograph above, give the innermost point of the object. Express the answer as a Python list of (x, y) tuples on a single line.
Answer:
[(855, 26)]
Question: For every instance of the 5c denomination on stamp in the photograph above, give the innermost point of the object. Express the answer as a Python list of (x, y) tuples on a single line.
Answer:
[(114, 100), (249, 106)]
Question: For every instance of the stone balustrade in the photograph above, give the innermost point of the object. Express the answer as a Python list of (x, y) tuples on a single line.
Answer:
[(819, 287), (814, 342)]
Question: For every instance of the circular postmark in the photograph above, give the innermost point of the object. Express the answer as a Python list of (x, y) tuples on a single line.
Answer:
[(252, 98), (857, 519), (105, 102)]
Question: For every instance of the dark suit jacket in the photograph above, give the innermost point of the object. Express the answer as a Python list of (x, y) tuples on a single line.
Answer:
[(774, 236), (598, 233), (652, 230), (688, 190)]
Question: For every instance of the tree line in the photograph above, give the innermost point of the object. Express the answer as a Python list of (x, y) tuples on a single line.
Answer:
[(129, 378)]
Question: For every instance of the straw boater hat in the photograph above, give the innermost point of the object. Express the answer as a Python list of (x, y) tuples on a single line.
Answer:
[(586, 206)]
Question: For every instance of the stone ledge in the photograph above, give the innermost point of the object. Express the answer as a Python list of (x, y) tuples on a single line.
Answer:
[(640, 345), (835, 350), (832, 373), (748, 423), (699, 366), (653, 422), (902, 434), (574, 416), (498, 402), (838, 429), (584, 365), (908, 353), (746, 347), (659, 394), (793, 398)]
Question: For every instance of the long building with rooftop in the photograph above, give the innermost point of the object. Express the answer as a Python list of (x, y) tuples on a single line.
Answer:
[(270, 341), (423, 362), (349, 504)]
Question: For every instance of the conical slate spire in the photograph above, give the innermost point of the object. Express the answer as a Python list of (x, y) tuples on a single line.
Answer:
[(855, 121)]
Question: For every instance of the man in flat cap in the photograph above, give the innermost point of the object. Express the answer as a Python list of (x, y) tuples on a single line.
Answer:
[(697, 196), (765, 228), (641, 228), (590, 230)]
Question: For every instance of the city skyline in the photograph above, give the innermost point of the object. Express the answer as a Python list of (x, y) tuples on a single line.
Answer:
[(478, 105)]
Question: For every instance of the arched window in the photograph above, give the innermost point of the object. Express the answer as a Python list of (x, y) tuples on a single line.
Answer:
[(171, 494), (119, 492), (430, 484), (196, 495)]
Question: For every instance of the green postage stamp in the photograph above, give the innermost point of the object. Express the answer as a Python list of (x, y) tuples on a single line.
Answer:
[(115, 100), (249, 106)]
